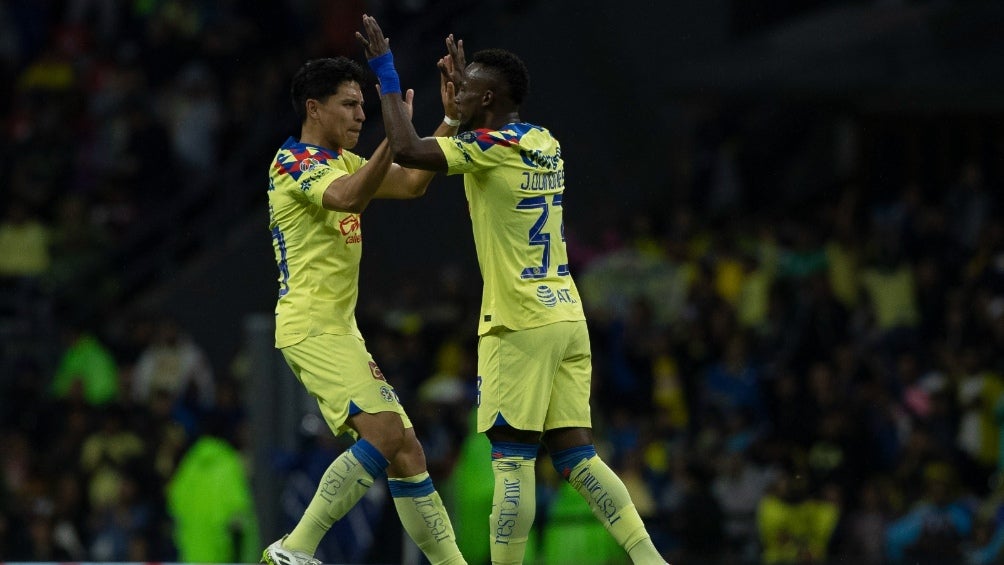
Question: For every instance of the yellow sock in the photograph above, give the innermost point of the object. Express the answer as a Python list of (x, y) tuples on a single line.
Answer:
[(514, 503), (424, 518), (611, 504), (347, 479)]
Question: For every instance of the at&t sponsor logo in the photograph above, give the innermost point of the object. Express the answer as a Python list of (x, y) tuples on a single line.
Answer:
[(549, 297)]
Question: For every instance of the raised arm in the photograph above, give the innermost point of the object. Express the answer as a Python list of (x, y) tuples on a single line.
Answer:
[(352, 193), (408, 148), (403, 182)]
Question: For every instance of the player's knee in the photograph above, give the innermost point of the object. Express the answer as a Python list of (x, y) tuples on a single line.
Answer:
[(560, 439), (392, 440), (410, 459), (385, 433)]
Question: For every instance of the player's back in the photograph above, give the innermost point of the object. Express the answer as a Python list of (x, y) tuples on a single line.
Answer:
[(517, 206)]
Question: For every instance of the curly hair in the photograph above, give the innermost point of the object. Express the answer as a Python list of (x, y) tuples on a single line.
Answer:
[(510, 68), (319, 79)]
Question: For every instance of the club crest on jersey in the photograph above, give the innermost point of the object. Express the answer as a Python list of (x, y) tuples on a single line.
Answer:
[(308, 163)]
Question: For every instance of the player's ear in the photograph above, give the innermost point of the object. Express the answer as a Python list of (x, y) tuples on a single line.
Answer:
[(311, 107), (488, 98)]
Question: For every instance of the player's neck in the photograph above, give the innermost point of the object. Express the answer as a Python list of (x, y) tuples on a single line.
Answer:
[(310, 137), (497, 121)]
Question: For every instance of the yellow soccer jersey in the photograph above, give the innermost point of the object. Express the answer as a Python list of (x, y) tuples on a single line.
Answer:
[(515, 180), (317, 250)]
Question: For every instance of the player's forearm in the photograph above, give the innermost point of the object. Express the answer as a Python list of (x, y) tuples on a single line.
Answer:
[(420, 177), (402, 182), (413, 184), (410, 150), (400, 131), (352, 193)]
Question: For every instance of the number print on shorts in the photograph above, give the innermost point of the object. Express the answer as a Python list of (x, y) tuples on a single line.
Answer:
[(477, 400)]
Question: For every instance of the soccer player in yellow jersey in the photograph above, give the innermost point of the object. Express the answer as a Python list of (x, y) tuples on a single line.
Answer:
[(534, 363), (317, 190)]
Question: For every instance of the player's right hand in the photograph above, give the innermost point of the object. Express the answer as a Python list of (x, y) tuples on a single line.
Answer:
[(373, 41)]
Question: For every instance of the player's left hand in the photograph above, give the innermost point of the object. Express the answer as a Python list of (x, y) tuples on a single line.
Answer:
[(447, 90), (373, 41), (456, 71)]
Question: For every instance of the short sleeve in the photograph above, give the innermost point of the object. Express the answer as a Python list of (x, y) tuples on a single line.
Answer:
[(315, 180), (473, 151)]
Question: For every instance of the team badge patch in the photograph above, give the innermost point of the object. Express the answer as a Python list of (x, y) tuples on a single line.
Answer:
[(387, 394)]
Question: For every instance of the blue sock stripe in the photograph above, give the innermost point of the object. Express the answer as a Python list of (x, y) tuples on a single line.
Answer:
[(565, 459), (372, 460), (512, 449), (405, 489)]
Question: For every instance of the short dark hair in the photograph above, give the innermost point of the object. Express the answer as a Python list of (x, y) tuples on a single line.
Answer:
[(510, 68), (319, 79)]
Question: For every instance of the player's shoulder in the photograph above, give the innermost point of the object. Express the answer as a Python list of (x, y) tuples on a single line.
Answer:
[(513, 135), (295, 158)]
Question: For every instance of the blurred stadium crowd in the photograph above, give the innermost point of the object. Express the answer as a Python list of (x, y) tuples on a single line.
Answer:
[(807, 375)]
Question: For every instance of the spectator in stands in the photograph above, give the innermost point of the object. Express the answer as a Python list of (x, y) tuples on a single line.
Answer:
[(175, 363), (890, 287), (795, 526), (25, 239), (108, 456), (210, 499), (734, 383), (865, 526), (738, 487), (934, 529), (87, 370)]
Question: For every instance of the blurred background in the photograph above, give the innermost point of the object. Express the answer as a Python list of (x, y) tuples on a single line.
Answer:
[(783, 217)]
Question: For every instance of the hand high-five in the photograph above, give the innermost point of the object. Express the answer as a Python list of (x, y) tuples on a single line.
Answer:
[(377, 45), (447, 88), (454, 65), (374, 41), (452, 74)]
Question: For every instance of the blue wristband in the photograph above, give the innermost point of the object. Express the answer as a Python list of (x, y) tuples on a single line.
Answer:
[(383, 66)]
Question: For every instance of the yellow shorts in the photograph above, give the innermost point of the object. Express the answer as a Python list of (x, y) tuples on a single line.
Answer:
[(537, 379), (340, 373)]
